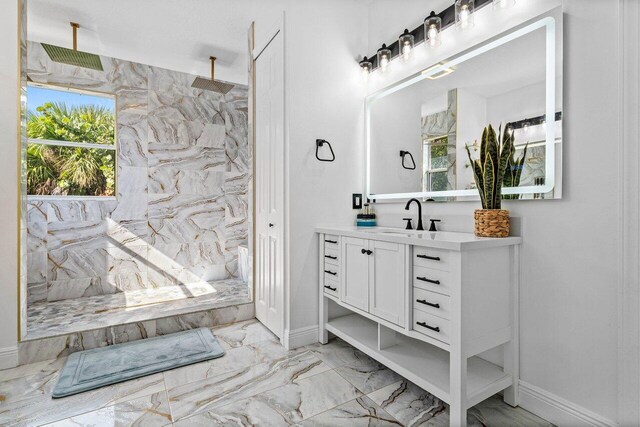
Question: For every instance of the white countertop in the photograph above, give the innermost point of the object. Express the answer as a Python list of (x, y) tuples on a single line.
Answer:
[(437, 239)]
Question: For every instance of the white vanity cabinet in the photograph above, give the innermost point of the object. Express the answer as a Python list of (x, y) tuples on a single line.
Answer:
[(426, 305)]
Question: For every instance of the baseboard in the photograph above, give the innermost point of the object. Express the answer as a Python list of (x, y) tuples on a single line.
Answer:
[(557, 410), (300, 337), (8, 357)]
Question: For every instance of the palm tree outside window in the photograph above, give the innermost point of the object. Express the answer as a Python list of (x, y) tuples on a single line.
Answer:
[(71, 146)]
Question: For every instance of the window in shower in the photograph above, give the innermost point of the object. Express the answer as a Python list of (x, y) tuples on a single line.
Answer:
[(71, 145)]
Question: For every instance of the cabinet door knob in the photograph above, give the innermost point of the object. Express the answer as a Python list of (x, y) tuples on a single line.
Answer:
[(363, 251), (369, 252), (270, 225), (433, 328)]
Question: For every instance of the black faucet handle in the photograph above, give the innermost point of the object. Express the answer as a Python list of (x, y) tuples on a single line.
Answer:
[(409, 226), (432, 227)]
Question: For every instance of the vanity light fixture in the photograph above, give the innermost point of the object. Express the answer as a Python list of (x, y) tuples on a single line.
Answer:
[(464, 14), (406, 41), (366, 66), (384, 58), (503, 4), (432, 29)]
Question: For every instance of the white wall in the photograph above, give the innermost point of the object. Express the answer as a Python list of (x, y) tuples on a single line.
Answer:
[(569, 319), (9, 118)]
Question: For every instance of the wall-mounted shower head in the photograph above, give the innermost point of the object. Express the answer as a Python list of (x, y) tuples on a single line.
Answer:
[(73, 56), (212, 84)]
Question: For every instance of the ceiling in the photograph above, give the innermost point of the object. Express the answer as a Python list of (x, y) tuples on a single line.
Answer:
[(173, 34)]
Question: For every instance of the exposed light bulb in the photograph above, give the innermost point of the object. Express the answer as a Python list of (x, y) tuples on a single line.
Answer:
[(464, 16), (432, 35), (406, 50), (384, 62)]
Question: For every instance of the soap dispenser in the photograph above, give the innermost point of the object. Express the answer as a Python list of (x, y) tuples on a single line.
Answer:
[(367, 217)]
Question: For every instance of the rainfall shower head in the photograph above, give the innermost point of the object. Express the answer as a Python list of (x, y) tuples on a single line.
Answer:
[(73, 56), (211, 84)]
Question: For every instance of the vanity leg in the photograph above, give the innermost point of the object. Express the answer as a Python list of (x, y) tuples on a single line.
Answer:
[(323, 307), (458, 390), (323, 334), (512, 348)]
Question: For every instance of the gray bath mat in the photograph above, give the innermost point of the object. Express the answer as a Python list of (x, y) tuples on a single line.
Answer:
[(91, 369)]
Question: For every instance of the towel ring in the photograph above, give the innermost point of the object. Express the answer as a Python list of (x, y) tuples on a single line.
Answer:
[(403, 154), (320, 143)]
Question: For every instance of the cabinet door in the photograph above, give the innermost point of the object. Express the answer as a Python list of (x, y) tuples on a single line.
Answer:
[(355, 273), (387, 279)]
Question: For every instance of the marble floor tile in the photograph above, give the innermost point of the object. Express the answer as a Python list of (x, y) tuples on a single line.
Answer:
[(285, 405), (148, 411), (337, 353), (368, 375), (257, 382), (243, 333), (360, 412), (408, 403), (209, 394), (43, 409), (234, 359)]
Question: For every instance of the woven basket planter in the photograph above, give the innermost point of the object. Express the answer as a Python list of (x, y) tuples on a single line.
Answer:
[(492, 223)]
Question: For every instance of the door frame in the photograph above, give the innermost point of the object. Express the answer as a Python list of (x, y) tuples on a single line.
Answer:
[(256, 48)]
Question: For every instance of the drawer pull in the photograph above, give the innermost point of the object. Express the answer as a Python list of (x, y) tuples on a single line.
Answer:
[(330, 288), (432, 258), (331, 257), (331, 272), (331, 241), (424, 279), (433, 328), (430, 304)]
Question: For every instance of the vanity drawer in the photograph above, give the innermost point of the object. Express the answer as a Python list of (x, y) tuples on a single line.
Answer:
[(331, 273), (331, 256), (432, 303), (433, 326), (331, 287), (432, 280), (431, 258), (331, 242)]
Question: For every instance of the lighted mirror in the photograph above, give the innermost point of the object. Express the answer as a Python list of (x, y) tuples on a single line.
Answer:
[(418, 129)]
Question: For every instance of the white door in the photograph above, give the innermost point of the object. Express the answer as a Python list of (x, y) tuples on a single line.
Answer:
[(355, 273), (387, 281), (269, 183)]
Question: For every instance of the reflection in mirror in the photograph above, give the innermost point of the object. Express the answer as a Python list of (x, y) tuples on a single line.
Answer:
[(510, 83)]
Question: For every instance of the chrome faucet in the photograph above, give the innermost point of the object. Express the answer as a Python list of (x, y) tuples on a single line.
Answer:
[(406, 208)]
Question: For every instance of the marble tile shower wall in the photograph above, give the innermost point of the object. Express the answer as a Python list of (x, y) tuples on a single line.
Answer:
[(183, 173)]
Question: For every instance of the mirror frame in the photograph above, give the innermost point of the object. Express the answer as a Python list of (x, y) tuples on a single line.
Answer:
[(549, 24)]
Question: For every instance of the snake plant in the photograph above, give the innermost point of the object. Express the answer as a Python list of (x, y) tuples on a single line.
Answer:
[(515, 167), (489, 170)]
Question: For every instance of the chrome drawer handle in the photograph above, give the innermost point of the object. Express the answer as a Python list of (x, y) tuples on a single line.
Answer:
[(425, 302), (424, 279), (330, 272), (433, 328), (330, 288), (331, 257), (331, 241), (432, 258)]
